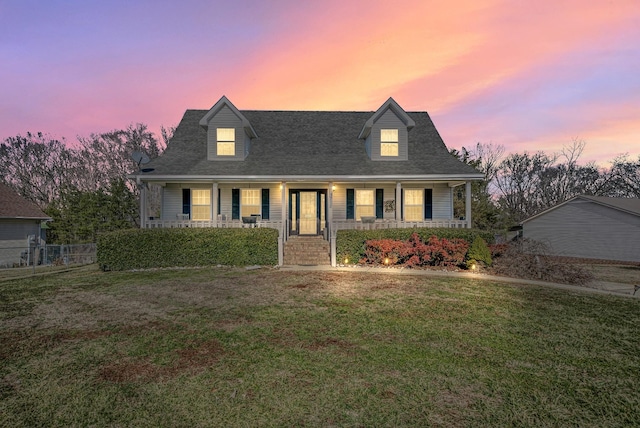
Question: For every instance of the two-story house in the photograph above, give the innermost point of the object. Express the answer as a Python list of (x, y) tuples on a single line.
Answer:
[(307, 172)]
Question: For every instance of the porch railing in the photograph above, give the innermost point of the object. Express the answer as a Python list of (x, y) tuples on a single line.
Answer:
[(337, 224), (152, 224), (396, 224)]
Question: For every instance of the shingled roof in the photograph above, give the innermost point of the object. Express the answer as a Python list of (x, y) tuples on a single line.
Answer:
[(308, 143), (15, 206), (628, 205)]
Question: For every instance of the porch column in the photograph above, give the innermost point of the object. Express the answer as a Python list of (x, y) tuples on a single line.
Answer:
[(398, 201), (283, 230), (330, 209), (284, 211), (330, 231), (214, 204), (467, 204), (143, 203)]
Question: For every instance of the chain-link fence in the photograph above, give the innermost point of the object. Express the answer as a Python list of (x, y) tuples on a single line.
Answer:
[(47, 255)]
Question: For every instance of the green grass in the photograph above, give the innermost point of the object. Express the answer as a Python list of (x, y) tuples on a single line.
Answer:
[(227, 347)]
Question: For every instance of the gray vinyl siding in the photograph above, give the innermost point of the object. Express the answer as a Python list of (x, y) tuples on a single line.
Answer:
[(225, 118), (367, 146), (441, 198), (13, 239), (340, 202), (171, 201), (275, 198), (389, 193), (388, 120), (442, 202), (18, 229), (172, 198), (340, 198), (587, 230)]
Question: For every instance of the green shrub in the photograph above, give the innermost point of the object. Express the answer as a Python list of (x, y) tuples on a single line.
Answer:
[(150, 248), (478, 252), (351, 244)]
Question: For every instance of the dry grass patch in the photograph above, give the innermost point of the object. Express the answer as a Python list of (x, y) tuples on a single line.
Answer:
[(226, 347), (624, 274)]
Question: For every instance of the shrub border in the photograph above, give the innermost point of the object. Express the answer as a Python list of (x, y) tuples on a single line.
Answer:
[(351, 244), (165, 247)]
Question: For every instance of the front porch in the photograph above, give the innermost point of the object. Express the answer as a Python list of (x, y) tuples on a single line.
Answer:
[(330, 230), (334, 227), (309, 209)]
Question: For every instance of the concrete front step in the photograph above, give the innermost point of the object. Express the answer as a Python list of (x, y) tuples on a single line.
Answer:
[(306, 250)]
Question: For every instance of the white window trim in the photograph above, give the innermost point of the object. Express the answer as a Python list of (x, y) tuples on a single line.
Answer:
[(256, 209), (407, 205), (226, 141), (204, 197), (389, 146), (369, 209)]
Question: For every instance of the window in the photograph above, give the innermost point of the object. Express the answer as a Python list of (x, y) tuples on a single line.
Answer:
[(413, 204), (365, 204), (388, 142), (200, 204), (226, 141), (250, 203)]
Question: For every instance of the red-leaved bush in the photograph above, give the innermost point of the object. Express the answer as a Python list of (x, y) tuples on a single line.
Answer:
[(415, 252), (498, 249)]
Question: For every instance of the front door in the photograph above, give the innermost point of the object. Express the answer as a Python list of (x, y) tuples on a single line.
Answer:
[(308, 213)]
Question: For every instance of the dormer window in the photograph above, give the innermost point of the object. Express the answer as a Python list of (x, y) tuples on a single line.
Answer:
[(386, 133), (388, 142), (226, 141)]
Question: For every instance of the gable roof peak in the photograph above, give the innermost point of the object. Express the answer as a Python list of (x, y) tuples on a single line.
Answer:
[(222, 102), (12, 205), (392, 105)]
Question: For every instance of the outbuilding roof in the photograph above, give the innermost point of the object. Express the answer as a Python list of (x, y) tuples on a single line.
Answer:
[(15, 206), (308, 143), (628, 205)]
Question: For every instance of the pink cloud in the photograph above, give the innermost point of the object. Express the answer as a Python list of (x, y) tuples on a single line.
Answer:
[(497, 70)]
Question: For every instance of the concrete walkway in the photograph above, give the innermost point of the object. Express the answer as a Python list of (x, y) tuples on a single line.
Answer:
[(598, 287)]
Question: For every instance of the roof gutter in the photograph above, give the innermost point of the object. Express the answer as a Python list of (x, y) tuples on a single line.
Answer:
[(300, 178)]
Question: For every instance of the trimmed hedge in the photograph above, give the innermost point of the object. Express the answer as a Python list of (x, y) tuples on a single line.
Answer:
[(350, 244), (151, 248)]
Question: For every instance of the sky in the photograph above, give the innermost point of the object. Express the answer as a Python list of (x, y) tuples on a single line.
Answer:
[(529, 75)]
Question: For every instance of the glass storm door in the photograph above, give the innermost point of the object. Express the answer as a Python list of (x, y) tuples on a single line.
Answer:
[(308, 213)]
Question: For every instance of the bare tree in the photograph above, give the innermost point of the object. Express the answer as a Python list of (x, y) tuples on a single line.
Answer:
[(485, 158), (527, 184), (36, 166), (625, 177), (41, 168), (108, 155), (518, 183)]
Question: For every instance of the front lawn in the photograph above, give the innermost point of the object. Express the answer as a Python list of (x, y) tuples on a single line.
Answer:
[(229, 347)]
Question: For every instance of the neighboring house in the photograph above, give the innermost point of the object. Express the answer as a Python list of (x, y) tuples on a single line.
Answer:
[(307, 172), (20, 222), (589, 227)]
